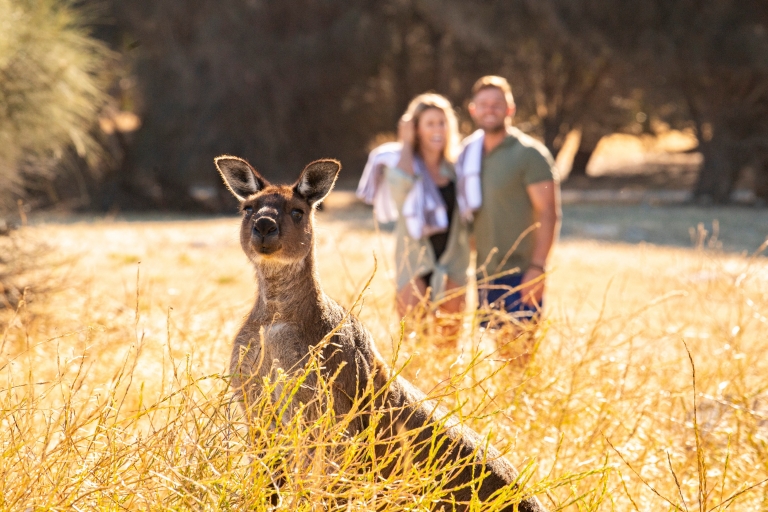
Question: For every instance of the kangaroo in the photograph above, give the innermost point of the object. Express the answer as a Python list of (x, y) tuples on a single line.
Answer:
[(292, 316)]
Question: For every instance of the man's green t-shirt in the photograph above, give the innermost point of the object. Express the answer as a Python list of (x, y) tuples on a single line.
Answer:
[(506, 210)]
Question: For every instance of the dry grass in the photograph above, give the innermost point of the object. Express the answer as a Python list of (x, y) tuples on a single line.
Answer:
[(113, 391), (29, 268)]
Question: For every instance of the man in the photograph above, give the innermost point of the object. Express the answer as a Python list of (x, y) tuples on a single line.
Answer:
[(519, 214)]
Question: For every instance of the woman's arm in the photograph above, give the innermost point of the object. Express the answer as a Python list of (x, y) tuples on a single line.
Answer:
[(406, 133)]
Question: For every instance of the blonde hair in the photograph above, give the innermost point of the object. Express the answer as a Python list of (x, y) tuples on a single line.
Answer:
[(494, 82), (426, 101)]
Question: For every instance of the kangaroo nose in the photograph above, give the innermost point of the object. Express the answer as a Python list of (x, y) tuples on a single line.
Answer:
[(264, 227)]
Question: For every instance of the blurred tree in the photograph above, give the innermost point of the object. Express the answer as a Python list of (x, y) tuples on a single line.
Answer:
[(714, 56), (280, 83), (558, 56), (604, 67), (283, 83), (52, 88), (570, 68)]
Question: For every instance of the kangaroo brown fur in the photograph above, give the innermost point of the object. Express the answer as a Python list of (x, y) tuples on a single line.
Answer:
[(292, 316)]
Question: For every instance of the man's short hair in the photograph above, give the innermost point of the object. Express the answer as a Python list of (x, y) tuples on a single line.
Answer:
[(495, 82)]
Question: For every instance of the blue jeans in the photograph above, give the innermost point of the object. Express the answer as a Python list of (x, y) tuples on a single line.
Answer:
[(501, 294)]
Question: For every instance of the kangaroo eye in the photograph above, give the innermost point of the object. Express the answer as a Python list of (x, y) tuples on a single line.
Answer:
[(248, 210), (297, 215)]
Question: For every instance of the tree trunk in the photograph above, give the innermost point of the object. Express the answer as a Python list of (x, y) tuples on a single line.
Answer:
[(551, 131), (717, 176), (761, 177), (580, 161)]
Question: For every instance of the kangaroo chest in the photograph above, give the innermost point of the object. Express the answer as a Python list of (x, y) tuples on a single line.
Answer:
[(282, 347)]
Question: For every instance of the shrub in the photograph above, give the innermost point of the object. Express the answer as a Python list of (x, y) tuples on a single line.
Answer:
[(52, 87)]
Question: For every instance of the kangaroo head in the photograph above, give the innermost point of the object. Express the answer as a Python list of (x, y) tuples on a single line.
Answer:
[(277, 219)]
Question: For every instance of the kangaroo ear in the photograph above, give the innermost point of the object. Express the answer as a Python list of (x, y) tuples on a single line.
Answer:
[(239, 176), (317, 180)]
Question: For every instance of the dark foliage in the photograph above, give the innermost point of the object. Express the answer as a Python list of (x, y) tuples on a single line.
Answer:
[(283, 83)]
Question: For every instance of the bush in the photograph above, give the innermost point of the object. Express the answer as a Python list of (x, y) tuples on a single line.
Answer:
[(29, 268), (52, 87)]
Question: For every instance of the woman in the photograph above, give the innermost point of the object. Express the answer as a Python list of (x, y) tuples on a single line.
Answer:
[(432, 248)]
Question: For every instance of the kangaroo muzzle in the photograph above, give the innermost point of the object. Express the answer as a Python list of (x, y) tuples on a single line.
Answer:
[(265, 235)]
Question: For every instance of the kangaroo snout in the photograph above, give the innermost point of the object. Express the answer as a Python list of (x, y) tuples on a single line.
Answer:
[(265, 227), (265, 235)]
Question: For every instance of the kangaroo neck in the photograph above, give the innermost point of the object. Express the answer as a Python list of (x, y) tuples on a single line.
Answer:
[(287, 291)]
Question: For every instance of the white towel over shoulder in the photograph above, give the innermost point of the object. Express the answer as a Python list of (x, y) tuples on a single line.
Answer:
[(424, 209), (372, 188), (468, 166)]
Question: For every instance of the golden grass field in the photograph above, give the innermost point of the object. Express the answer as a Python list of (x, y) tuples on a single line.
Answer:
[(113, 395)]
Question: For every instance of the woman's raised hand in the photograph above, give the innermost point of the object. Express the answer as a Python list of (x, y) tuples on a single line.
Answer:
[(406, 131)]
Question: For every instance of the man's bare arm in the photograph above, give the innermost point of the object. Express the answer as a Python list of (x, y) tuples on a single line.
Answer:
[(546, 212)]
